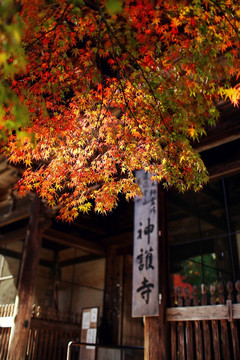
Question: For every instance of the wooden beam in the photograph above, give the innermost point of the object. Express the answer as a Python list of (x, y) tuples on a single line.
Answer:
[(79, 260), (17, 255), (86, 222), (120, 240), (13, 236), (208, 312), (211, 143), (54, 324), (225, 169), (73, 241), (16, 215), (194, 211), (226, 130), (10, 253)]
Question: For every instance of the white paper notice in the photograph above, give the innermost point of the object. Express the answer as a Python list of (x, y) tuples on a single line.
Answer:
[(94, 314), (91, 338), (86, 320)]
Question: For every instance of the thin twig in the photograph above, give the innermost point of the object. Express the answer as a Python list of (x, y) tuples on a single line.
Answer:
[(136, 62), (49, 31)]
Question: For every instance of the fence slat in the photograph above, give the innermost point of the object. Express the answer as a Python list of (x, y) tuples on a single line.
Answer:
[(233, 323), (207, 340), (173, 341), (60, 345), (51, 344), (5, 334), (216, 340), (205, 324), (181, 340), (189, 340), (35, 345), (225, 340), (235, 338), (45, 346), (180, 328), (198, 340), (55, 344), (215, 328)]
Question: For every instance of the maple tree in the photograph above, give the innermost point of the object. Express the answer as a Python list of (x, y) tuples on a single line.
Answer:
[(111, 90), (11, 61)]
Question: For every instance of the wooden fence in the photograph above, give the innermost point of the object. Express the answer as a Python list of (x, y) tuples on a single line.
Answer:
[(6, 316), (49, 333), (205, 326)]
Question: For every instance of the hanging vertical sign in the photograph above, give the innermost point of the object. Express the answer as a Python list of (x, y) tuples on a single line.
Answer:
[(145, 298)]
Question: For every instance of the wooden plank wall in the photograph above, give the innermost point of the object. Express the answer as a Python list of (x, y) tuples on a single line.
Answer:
[(206, 326)]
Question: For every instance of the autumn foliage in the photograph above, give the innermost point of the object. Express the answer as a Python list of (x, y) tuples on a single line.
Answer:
[(111, 92)]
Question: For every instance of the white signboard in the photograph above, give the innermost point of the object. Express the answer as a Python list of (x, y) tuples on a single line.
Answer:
[(145, 300)]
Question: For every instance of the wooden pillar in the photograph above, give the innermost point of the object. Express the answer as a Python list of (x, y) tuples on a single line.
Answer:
[(112, 315), (156, 330), (26, 286)]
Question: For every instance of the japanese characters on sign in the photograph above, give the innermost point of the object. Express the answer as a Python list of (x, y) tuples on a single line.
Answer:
[(145, 251)]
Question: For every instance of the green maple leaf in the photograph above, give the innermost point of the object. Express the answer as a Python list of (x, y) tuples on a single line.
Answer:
[(114, 6)]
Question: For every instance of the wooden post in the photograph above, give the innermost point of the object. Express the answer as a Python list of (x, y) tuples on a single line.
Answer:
[(156, 332), (27, 280), (112, 315)]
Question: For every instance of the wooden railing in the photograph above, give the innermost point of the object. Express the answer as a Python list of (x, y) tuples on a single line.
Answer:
[(206, 326), (49, 333), (6, 320)]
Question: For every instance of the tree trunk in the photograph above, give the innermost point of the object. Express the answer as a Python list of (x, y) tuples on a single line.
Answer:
[(156, 331), (26, 286)]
